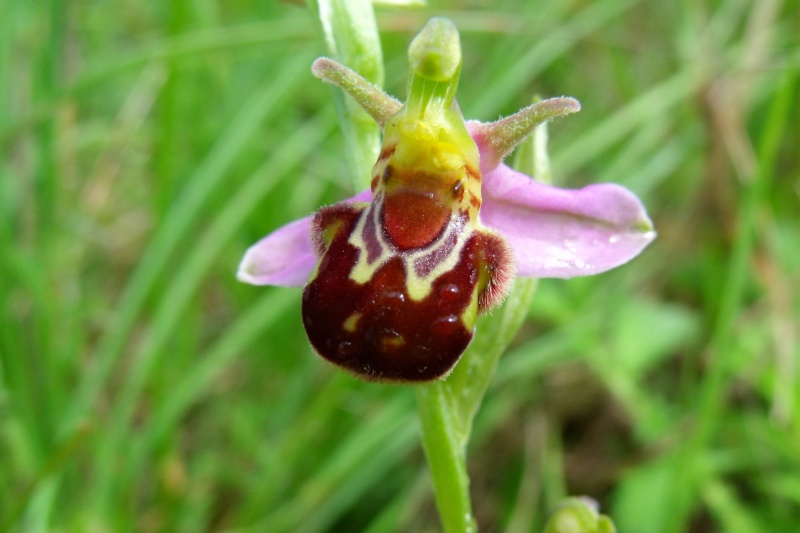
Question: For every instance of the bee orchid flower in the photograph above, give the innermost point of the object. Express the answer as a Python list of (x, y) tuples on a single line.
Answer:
[(396, 276)]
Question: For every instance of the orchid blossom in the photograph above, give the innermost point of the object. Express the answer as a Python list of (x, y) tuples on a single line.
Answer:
[(396, 276)]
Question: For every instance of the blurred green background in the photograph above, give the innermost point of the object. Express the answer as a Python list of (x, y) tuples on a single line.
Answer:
[(146, 144)]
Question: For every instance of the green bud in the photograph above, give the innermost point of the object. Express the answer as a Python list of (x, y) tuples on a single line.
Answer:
[(578, 515)]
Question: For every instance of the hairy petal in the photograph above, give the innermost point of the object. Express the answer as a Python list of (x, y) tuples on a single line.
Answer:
[(286, 256), (379, 105), (497, 139), (561, 233)]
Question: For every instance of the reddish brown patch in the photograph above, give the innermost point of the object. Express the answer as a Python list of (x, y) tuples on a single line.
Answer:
[(473, 173), (413, 219), (387, 152), (458, 190), (395, 339)]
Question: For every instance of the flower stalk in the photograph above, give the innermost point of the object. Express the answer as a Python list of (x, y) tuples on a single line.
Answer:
[(444, 440)]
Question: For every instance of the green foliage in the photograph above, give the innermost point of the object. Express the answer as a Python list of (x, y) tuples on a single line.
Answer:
[(145, 145)]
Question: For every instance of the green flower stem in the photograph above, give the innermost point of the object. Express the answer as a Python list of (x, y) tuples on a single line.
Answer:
[(444, 447)]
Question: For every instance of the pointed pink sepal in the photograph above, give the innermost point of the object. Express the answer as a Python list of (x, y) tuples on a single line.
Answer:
[(286, 256), (562, 233)]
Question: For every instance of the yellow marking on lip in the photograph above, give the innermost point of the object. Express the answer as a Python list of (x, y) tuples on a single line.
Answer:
[(470, 314), (351, 324), (362, 271), (330, 232), (394, 341), (419, 287)]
